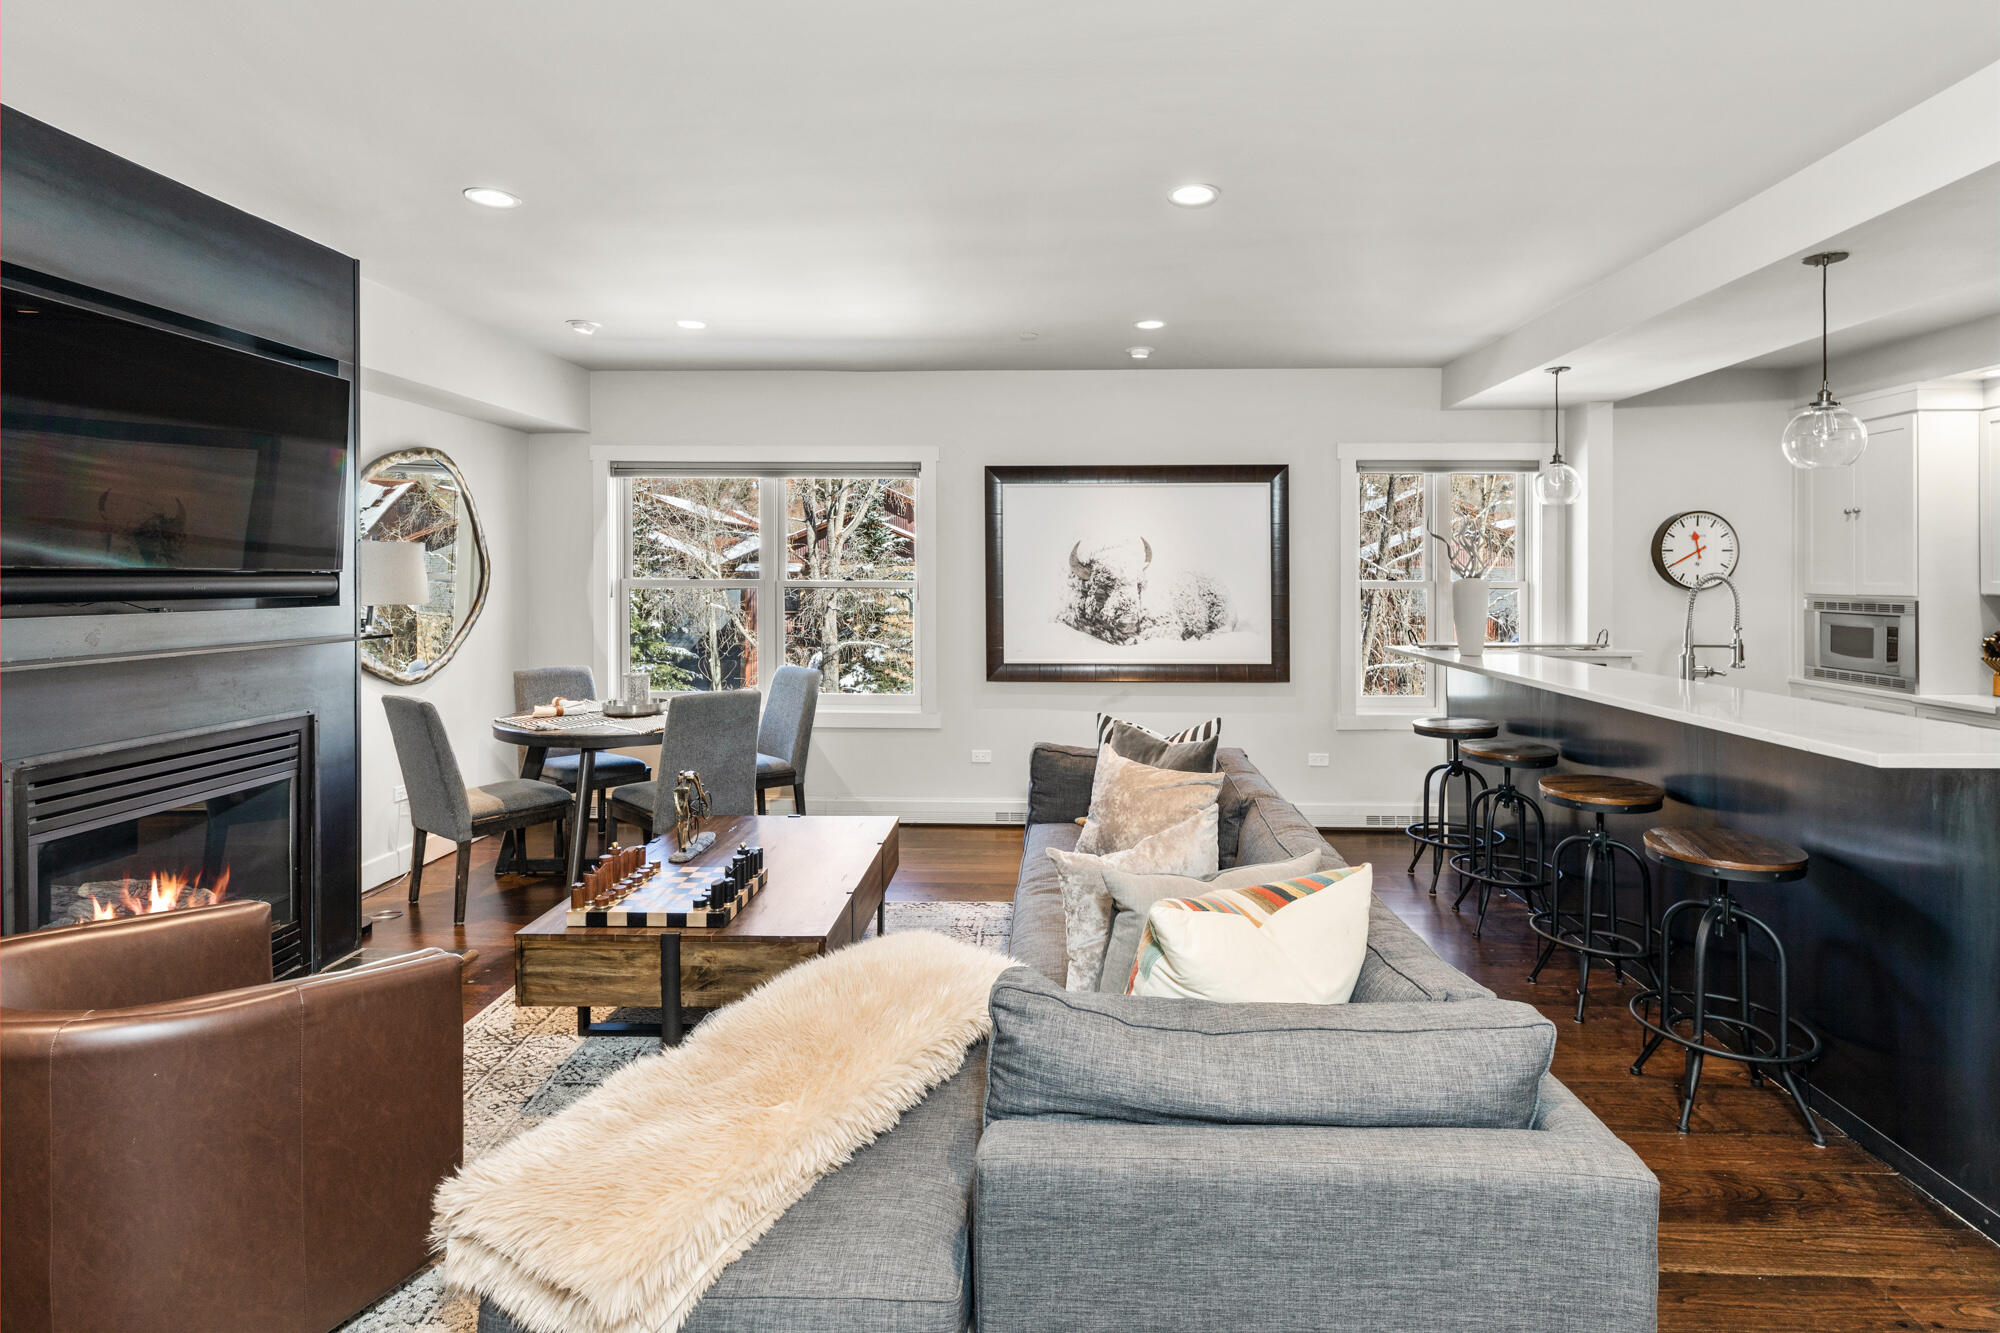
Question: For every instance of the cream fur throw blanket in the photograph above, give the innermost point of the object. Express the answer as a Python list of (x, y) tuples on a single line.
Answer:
[(616, 1215)]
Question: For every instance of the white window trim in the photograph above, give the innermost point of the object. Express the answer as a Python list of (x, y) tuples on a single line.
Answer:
[(835, 710), (1541, 553)]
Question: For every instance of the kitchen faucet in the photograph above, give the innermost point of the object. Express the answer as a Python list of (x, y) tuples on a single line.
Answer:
[(1692, 670)]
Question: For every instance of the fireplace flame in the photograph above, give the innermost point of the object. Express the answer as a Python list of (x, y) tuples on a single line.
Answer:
[(162, 893)]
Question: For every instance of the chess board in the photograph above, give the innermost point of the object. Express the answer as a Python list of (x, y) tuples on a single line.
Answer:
[(667, 901)]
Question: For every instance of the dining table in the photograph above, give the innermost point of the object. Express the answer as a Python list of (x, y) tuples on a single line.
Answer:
[(586, 732)]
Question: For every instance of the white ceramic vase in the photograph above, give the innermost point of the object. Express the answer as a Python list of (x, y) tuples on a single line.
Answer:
[(1468, 614)]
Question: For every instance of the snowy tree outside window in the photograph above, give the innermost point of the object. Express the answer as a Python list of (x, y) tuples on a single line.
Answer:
[(698, 581), (1404, 592)]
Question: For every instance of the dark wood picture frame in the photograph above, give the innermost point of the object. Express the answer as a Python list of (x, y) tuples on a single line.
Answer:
[(1279, 668)]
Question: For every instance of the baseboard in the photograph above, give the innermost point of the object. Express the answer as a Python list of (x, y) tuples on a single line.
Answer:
[(977, 810)]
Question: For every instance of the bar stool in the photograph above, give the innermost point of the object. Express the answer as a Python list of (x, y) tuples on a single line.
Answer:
[(1723, 857), (1597, 931), (1486, 866), (1439, 834)]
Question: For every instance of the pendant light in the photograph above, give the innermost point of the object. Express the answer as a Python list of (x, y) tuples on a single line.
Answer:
[(1823, 433), (1558, 483)]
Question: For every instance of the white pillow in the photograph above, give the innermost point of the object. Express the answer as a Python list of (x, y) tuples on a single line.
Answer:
[(1131, 801), (1188, 848), (1251, 946), (1134, 893)]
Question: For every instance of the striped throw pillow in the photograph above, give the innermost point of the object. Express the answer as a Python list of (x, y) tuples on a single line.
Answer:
[(1296, 941), (1200, 731)]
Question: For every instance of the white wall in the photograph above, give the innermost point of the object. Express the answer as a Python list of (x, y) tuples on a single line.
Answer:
[(1710, 443), (478, 684), (981, 418)]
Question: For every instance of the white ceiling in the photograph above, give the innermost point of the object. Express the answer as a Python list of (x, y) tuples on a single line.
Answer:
[(877, 184)]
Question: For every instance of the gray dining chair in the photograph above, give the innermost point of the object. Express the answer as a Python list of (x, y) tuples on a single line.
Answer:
[(541, 685), (715, 734), (441, 803), (784, 738)]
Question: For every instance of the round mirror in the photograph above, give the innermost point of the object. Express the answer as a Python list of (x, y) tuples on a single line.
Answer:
[(422, 565)]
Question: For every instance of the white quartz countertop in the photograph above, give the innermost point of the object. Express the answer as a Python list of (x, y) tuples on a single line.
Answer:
[(1861, 736)]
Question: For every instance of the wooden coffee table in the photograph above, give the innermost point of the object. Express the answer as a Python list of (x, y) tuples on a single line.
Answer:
[(828, 875)]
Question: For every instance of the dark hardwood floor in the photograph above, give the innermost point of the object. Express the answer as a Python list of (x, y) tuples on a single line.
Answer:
[(1758, 1228)]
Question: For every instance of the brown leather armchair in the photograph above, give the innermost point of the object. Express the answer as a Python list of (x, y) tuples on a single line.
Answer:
[(186, 1145)]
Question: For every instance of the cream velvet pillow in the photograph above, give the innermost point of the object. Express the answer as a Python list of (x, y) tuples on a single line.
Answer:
[(1130, 801), (1188, 848), (1300, 941)]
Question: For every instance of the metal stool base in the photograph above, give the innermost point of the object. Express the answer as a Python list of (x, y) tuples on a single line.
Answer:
[(1594, 932)]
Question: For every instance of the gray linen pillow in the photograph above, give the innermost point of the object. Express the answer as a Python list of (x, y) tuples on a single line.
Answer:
[(1141, 745), (1133, 895)]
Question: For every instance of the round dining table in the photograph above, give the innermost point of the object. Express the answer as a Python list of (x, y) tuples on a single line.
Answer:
[(586, 733)]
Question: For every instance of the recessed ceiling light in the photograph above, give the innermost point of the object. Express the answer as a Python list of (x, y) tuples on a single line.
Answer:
[(1150, 324), (690, 324), (1138, 353), (489, 197), (585, 326), (1028, 337), (1194, 196)]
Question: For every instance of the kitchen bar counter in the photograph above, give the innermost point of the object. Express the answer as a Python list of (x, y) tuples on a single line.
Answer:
[(1859, 736), (1894, 934)]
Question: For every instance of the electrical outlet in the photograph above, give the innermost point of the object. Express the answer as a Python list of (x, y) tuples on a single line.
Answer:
[(401, 796), (982, 756), (1317, 760)]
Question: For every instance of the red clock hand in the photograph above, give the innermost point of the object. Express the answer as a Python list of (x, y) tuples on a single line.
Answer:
[(1689, 556)]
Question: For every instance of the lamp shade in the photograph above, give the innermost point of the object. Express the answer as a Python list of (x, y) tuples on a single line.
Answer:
[(393, 574)]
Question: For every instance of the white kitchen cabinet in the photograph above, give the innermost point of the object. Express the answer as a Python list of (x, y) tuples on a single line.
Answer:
[(1858, 525), (1989, 502)]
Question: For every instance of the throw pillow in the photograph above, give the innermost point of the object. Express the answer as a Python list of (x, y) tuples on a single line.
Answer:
[(1301, 941), (1130, 801), (1059, 779), (1138, 743), (1133, 893), (1188, 848), (1200, 731)]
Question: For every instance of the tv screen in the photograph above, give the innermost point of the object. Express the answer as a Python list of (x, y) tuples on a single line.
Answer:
[(128, 449)]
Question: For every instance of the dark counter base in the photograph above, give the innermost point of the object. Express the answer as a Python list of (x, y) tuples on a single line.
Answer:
[(1894, 935)]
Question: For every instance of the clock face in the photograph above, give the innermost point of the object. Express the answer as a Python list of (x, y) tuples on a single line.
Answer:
[(1688, 546)]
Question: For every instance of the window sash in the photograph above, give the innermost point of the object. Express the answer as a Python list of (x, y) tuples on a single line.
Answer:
[(769, 582)]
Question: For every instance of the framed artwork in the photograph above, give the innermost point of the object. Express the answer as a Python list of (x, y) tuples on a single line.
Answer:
[(1137, 574)]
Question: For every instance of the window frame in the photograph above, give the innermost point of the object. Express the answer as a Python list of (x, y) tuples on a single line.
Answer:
[(1533, 560), (611, 559)]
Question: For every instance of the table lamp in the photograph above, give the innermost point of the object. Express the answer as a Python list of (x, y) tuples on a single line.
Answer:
[(392, 574)]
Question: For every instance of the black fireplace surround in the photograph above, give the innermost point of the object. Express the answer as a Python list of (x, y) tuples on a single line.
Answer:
[(162, 755)]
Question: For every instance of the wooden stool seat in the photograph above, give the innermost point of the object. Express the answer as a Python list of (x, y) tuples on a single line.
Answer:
[(1601, 791), (1514, 754), (1725, 853), (1455, 728)]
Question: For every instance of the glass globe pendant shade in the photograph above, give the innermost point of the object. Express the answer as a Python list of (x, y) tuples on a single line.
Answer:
[(1557, 484), (1824, 434)]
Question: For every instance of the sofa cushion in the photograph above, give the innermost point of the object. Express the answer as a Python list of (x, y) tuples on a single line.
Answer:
[(1036, 933), (1400, 966), (1144, 747), (1071, 1055), (1297, 941), (1188, 848), (1059, 779), (878, 1246), (1133, 895), (1130, 801)]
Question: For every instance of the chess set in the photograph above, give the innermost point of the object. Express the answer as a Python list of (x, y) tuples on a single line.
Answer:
[(625, 889)]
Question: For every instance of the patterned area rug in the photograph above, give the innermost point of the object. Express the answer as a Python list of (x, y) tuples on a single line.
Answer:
[(524, 1065)]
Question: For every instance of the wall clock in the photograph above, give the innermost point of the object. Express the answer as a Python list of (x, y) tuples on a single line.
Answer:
[(1691, 545)]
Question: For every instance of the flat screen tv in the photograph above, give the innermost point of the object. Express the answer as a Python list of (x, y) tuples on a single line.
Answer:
[(144, 464)]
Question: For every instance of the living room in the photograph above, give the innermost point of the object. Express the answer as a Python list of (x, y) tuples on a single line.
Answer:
[(1246, 739)]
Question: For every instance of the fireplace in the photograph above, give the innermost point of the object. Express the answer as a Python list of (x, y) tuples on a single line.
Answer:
[(223, 814)]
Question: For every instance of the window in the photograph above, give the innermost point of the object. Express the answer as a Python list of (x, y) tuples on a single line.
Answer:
[(705, 606), (1403, 573)]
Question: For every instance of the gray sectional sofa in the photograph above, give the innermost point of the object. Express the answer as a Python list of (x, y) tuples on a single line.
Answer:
[(1401, 1162)]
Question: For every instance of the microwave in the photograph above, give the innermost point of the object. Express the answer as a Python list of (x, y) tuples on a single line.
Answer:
[(1862, 643)]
